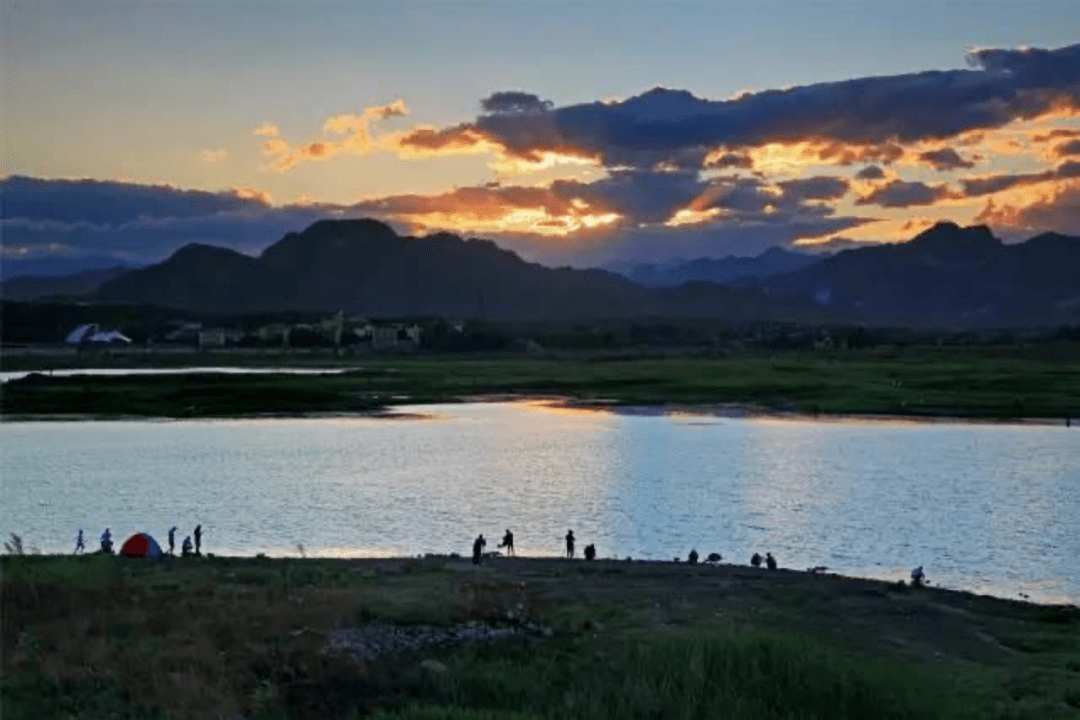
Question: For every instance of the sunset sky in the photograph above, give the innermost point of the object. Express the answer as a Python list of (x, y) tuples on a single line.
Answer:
[(572, 132)]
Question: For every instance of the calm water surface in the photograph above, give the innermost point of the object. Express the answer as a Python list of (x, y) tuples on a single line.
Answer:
[(990, 508)]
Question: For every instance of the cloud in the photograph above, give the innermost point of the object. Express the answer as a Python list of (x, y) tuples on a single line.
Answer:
[(1057, 209), (974, 187), (515, 102), (900, 193), (213, 156), (944, 159), (139, 223), (1067, 148), (821, 187), (870, 172), (345, 133), (863, 119), (267, 129)]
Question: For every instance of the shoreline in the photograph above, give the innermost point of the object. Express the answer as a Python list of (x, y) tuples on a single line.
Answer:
[(724, 410), (462, 563)]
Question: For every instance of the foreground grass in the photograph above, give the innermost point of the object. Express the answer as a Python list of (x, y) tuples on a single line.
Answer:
[(104, 637), (1011, 382)]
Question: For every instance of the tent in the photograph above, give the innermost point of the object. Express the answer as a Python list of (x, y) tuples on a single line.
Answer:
[(141, 545)]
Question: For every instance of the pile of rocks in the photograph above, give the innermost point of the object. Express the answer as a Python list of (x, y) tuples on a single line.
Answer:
[(373, 640)]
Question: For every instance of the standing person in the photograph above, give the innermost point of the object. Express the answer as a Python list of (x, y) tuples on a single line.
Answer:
[(80, 546), (508, 542), (185, 549), (770, 561), (569, 543), (172, 539), (106, 541), (478, 549), (198, 540)]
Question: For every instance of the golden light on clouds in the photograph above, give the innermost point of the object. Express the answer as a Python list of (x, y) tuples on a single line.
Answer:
[(267, 129), (536, 221), (689, 216)]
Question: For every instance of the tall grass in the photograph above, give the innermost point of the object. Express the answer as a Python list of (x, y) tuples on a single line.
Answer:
[(717, 674)]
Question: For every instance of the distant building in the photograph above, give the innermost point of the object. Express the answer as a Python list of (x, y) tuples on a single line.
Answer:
[(92, 333)]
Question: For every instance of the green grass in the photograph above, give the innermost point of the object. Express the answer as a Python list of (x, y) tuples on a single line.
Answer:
[(998, 383), (103, 637)]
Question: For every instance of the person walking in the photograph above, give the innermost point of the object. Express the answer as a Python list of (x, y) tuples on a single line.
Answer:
[(172, 540), (508, 542), (80, 546), (478, 549), (198, 540), (569, 543)]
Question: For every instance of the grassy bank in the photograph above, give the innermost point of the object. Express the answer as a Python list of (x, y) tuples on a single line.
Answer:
[(105, 637), (1011, 382)]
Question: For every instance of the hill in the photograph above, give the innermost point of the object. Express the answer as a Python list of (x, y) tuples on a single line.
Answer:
[(31, 287), (947, 276)]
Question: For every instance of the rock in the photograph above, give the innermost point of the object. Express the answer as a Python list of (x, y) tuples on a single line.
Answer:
[(433, 666)]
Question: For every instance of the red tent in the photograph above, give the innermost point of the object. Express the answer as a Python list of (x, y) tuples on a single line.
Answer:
[(141, 545)]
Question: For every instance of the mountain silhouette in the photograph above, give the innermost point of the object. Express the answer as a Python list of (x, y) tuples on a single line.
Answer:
[(947, 276), (728, 270)]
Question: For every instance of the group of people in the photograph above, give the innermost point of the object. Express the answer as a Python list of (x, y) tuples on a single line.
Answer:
[(186, 548), (508, 545)]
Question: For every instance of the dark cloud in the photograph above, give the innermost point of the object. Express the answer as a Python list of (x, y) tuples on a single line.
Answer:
[(1055, 134), (730, 160), (109, 202), (870, 172), (944, 159), (514, 102), (139, 223), (974, 187), (821, 187), (900, 193), (861, 119), (1065, 149)]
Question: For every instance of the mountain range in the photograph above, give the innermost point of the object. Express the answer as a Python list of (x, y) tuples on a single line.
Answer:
[(728, 270), (947, 276)]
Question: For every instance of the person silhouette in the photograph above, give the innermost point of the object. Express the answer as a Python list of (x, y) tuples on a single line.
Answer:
[(478, 549), (106, 541), (918, 577), (172, 540), (756, 560), (508, 542), (569, 543), (198, 540), (185, 549), (770, 561), (590, 552), (80, 546), (693, 557)]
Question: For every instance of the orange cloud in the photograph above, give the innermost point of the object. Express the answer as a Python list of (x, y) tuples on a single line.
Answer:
[(267, 129), (260, 196), (350, 134)]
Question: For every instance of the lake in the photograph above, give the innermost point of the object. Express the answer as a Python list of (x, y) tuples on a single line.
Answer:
[(984, 507)]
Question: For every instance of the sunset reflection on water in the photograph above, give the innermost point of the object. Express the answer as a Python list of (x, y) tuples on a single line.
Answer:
[(982, 507)]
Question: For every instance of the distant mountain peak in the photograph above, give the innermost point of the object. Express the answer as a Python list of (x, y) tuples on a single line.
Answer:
[(355, 229), (949, 233)]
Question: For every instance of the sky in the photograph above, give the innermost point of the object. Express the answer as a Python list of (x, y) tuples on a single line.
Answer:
[(579, 133)]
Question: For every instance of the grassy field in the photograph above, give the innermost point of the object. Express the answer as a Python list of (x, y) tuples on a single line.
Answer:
[(1005, 382), (106, 637)]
